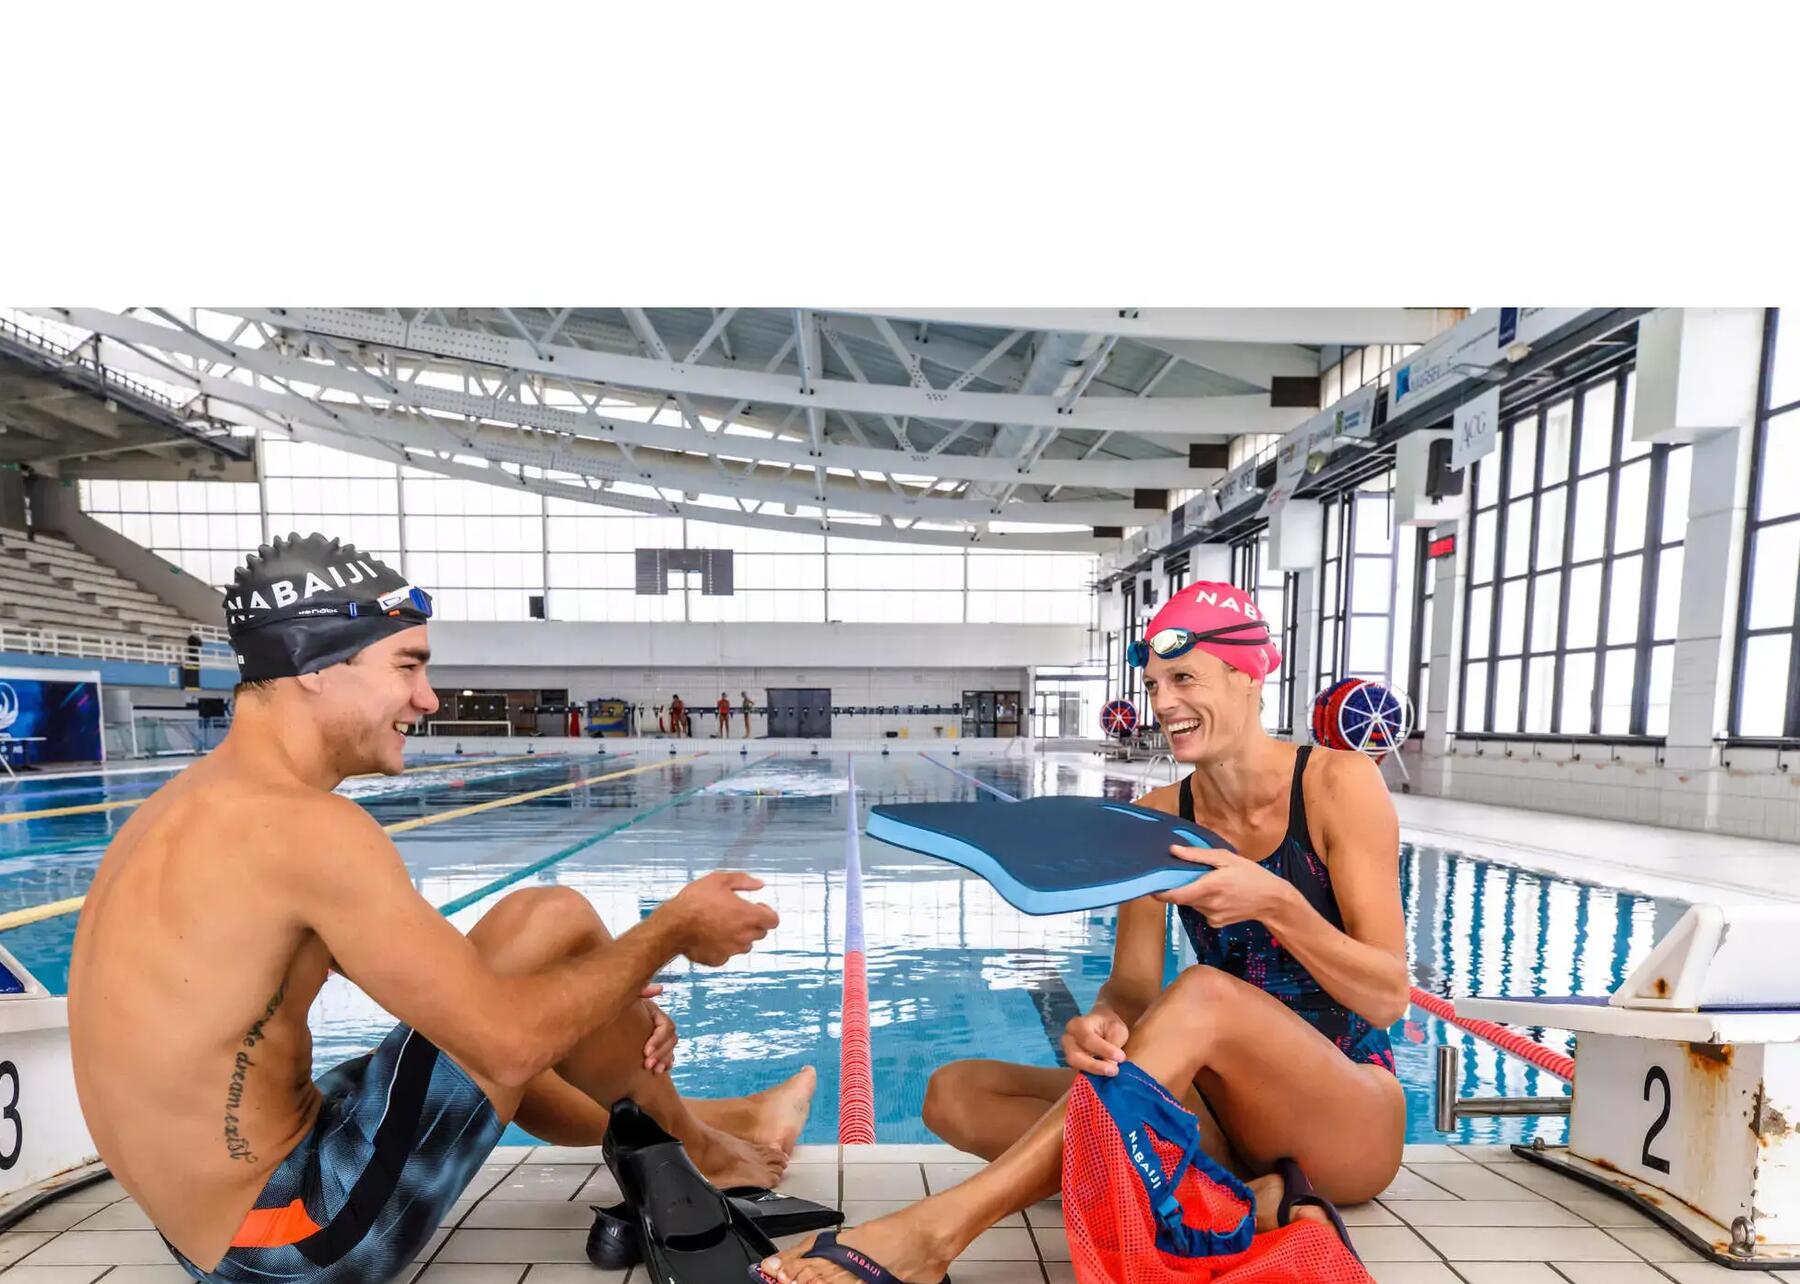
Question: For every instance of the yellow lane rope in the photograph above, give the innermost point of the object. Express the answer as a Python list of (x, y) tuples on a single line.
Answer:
[(55, 909), (89, 809)]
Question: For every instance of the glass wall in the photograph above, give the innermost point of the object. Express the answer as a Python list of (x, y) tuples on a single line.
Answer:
[(484, 550), (1356, 585), (205, 528), (1574, 572), (1765, 698)]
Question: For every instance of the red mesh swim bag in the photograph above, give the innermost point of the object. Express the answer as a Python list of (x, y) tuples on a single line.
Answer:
[(1143, 1204)]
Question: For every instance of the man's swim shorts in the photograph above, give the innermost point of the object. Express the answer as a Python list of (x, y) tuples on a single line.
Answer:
[(400, 1135)]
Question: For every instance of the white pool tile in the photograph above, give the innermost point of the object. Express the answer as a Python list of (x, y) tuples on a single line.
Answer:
[(1407, 1184), (472, 1273), (570, 1273), (542, 1181), (515, 1246), (124, 1215), (1654, 1244), (1613, 1273), (1432, 1272), (84, 1248), (529, 1214), (1390, 1244), (1429, 1153), (1509, 1273), (883, 1181), (15, 1245), (819, 1182), (1473, 1181), (146, 1273), (54, 1274), (589, 1155), (1482, 1212), (1543, 1244)]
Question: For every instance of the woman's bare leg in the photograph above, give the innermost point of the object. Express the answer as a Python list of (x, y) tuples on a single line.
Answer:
[(1300, 1096)]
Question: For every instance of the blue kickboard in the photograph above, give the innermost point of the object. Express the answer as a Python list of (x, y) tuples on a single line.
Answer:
[(1051, 855)]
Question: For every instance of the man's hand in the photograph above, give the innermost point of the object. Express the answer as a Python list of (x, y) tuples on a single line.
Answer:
[(659, 1050), (1234, 890), (712, 923), (1095, 1043)]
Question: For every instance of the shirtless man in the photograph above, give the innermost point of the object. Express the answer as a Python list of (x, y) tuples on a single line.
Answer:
[(1278, 1038), (232, 892)]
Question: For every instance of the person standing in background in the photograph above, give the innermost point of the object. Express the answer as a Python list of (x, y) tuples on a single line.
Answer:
[(677, 717), (724, 716), (748, 710)]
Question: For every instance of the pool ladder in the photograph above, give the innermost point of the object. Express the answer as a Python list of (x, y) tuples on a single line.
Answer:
[(1450, 1107)]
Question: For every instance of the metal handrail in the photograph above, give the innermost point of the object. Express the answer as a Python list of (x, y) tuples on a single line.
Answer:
[(95, 646), (137, 388)]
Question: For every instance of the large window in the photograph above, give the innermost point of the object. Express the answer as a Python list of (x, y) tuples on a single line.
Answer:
[(1356, 585), (1275, 595), (1028, 588), (1574, 572), (1765, 698), (478, 547), (205, 528), (1424, 586), (315, 488)]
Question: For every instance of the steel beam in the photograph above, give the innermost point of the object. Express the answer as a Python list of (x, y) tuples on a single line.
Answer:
[(1176, 416), (1226, 325)]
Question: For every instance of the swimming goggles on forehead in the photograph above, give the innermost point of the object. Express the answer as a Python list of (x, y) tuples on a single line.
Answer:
[(408, 601), (1169, 643)]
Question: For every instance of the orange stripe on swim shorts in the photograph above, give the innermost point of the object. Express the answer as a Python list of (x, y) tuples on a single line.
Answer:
[(275, 1227)]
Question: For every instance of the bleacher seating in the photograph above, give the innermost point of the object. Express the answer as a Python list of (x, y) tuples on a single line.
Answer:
[(50, 586)]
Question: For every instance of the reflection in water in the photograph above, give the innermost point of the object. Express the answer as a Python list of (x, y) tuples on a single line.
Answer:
[(953, 970)]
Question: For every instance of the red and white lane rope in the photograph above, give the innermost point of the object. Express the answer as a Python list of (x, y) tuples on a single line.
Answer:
[(1508, 1040), (856, 1072)]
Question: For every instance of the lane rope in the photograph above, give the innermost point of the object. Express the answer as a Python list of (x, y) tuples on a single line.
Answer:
[(55, 909), (1546, 1059), (856, 1070), (506, 880), (89, 809)]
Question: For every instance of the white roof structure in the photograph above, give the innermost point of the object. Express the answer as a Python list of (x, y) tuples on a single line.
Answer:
[(1022, 427)]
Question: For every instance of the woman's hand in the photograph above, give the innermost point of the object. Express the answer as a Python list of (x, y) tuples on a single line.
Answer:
[(1234, 890), (1095, 1043), (659, 1050)]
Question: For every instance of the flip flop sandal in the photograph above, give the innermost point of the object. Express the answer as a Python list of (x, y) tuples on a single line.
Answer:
[(1297, 1191)]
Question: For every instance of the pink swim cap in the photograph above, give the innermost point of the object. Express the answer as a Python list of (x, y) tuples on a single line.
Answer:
[(1227, 622)]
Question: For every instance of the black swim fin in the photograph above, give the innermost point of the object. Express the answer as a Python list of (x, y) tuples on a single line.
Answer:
[(612, 1243), (687, 1230)]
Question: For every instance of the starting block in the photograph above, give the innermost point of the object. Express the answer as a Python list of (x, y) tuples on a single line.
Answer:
[(1687, 1084)]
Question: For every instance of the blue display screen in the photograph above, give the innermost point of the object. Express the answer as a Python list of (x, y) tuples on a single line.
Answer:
[(65, 714)]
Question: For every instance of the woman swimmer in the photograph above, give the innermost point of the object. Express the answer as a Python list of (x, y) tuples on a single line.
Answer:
[(1278, 1038)]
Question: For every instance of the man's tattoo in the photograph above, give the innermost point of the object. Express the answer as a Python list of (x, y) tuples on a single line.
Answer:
[(236, 1144)]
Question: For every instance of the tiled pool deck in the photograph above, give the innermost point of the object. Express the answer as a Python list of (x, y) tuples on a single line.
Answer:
[(1456, 1213)]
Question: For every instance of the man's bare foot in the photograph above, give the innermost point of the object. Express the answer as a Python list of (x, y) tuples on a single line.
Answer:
[(909, 1243), (728, 1161), (774, 1116), (1268, 1192)]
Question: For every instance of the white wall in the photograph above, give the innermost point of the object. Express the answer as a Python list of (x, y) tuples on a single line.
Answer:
[(699, 689), (735, 646)]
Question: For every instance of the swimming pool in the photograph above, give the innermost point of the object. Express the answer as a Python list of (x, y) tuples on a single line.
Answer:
[(953, 971)]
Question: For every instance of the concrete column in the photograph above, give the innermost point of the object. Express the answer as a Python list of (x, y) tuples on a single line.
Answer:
[(1711, 573), (1446, 631), (1306, 645), (12, 499)]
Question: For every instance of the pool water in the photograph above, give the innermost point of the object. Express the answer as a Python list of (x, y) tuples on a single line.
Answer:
[(954, 971)]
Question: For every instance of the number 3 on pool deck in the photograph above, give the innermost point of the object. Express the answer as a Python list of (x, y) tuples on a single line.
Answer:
[(1657, 1075)]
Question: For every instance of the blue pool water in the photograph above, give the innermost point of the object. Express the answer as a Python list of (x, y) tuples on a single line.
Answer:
[(953, 970)]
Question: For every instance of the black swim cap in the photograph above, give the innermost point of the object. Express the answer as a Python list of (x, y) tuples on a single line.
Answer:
[(304, 603)]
